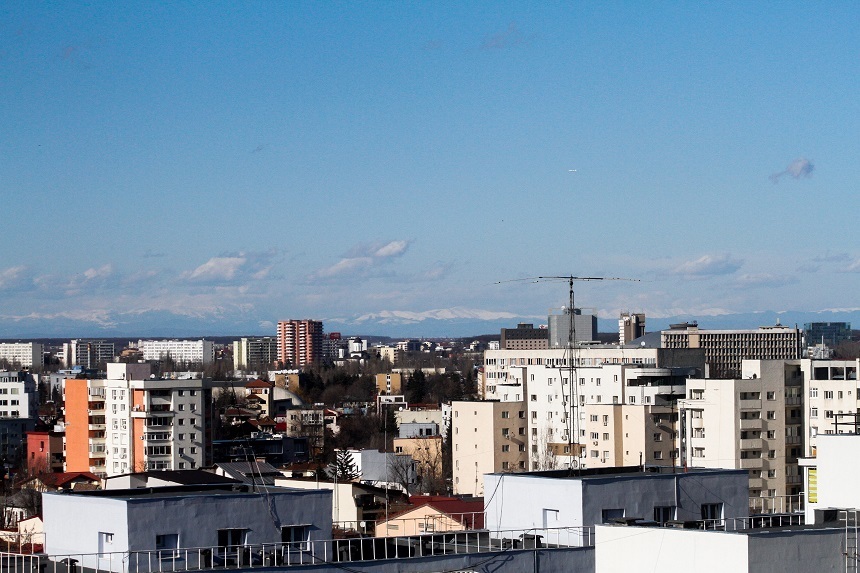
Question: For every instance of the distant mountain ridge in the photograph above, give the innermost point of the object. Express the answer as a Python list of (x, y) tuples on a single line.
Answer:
[(456, 322)]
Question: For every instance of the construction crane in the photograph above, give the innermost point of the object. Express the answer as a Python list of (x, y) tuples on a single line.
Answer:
[(572, 396)]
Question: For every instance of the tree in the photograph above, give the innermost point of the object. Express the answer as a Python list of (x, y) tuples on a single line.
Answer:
[(416, 387), (343, 468)]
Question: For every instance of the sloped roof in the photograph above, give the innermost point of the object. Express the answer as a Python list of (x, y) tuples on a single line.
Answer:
[(469, 512), (259, 384)]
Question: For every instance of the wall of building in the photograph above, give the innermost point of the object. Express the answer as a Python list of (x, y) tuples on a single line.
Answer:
[(619, 548)]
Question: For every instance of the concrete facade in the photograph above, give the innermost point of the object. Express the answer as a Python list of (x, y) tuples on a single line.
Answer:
[(563, 499)]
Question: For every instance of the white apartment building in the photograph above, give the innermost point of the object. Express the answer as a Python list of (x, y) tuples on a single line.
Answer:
[(18, 395), (609, 383), (88, 353), (753, 423), (195, 351), (22, 354), (255, 353), (830, 388)]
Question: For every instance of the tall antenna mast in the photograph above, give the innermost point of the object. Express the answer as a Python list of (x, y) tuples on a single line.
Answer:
[(571, 398)]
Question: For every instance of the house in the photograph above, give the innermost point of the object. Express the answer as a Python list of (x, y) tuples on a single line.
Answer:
[(355, 506), (63, 480), (116, 530), (434, 514)]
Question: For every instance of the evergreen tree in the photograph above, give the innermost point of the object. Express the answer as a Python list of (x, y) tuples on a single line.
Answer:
[(344, 468)]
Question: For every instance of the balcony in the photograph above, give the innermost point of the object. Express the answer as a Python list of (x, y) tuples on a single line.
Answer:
[(792, 439), (756, 483), (793, 400), (97, 426), (751, 444), (750, 404), (98, 453), (751, 464), (751, 424), (160, 408), (792, 480)]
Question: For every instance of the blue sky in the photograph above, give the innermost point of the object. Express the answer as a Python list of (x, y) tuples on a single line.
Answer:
[(240, 163)]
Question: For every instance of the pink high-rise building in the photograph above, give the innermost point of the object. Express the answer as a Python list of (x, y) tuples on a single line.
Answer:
[(300, 342)]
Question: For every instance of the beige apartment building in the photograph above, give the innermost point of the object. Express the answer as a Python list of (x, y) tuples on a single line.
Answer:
[(753, 423), (389, 384), (486, 437)]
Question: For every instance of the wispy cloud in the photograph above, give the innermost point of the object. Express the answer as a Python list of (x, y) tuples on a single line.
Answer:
[(853, 267), (361, 260), (231, 268), (764, 280), (708, 265), (15, 278), (800, 168), (507, 38)]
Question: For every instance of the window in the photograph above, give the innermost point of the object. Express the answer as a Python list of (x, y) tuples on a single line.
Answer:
[(506, 448), (712, 511), (813, 412), (828, 413), (698, 452), (505, 432), (771, 395), (813, 392), (658, 455), (608, 515), (696, 395), (506, 415), (605, 436), (771, 454), (771, 415), (229, 540), (296, 536), (664, 513), (828, 394), (534, 397), (658, 437), (505, 465), (595, 435)]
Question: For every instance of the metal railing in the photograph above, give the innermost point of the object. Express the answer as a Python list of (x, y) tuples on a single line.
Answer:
[(776, 504), (753, 522), (284, 555)]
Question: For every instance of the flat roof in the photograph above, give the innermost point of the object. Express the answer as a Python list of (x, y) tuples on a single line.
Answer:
[(622, 471), (175, 492)]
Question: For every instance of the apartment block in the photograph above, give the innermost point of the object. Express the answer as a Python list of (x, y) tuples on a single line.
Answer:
[(487, 437), (88, 353), (753, 423), (22, 354), (130, 422), (300, 342), (724, 349), (830, 388), (190, 351), (630, 327), (389, 384), (255, 353), (584, 327)]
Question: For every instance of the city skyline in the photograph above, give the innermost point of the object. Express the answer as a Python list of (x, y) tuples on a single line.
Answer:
[(238, 164)]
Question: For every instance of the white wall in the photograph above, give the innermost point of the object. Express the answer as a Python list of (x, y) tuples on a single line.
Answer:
[(619, 548), (838, 462)]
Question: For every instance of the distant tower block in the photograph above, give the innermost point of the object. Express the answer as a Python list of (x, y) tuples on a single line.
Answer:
[(630, 327)]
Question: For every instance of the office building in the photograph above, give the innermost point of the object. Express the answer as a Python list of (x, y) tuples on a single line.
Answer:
[(584, 328), (524, 337), (630, 327), (300, 342), (724, 349), (831, 334)]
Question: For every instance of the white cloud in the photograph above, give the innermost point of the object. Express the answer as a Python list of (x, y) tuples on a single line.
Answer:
[(231, 268), (392, 249), (800, 168), (361, 260), (14, 278), (709, 265), (764, 280)]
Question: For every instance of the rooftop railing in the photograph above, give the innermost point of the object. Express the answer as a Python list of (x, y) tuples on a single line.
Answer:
[(285, 555)]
